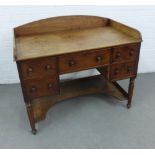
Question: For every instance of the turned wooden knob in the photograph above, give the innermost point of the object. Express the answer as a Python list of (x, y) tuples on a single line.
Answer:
[(118, 55), (116, 71), (48, 67), (50, 85), (131, 53), (99, 58), (30, 70), (71, 63), (129, 69), (33, 89)]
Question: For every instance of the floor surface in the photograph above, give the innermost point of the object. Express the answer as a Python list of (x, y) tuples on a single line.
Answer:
[(95, 121)]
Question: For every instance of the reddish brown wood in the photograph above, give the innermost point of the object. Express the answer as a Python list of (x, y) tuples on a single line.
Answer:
[(30, 113), (74, 88), (122, 70), (48, 48), (104, 71), (121, 89), (83, 60), (38, 87), (130, 91), (39, 67), (125, 53), (39, 77)]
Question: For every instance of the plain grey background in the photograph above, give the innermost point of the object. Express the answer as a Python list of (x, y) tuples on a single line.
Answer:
[(95, 121)]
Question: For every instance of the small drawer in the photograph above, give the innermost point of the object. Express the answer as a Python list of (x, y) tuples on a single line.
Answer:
[(125, 53), (123, 70), (84, 60), (38, 67), (34, 88)]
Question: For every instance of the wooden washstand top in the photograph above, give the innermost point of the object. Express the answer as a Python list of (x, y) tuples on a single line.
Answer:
[(69, 34)]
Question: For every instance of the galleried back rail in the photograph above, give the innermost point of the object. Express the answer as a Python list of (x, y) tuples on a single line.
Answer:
[(48, 48)]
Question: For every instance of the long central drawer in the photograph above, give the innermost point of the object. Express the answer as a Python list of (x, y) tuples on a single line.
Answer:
[(83, 60)]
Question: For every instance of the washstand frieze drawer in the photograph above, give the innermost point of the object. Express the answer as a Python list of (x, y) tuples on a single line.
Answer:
[(125, 53), (122, 71), (39, 87), (83, 60), (34, 68)]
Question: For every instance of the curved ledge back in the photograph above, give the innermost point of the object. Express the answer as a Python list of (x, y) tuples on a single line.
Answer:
[(60, 23)]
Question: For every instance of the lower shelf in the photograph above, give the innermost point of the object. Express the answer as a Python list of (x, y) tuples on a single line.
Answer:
[(74, 88)]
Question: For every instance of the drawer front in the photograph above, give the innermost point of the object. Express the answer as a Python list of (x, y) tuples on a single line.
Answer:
[(84, 60), (122, 71), (125, 53), (34, 88), (38, 67)]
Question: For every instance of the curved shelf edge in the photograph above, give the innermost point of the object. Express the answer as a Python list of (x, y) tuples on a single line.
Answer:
[(75, 88)]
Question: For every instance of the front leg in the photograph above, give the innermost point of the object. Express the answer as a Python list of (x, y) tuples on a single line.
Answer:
[(31, 117), (130, 91)]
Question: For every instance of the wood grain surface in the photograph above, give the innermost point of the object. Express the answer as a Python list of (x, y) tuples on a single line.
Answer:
[(74, 88), (47, 48), (69, 41)]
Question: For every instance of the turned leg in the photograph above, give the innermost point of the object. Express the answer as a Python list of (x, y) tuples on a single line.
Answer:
[(31, 117), (130, 91)]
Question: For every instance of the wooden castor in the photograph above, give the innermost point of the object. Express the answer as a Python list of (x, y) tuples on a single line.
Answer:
[(128, 106), (48, 48), (34, 131)]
